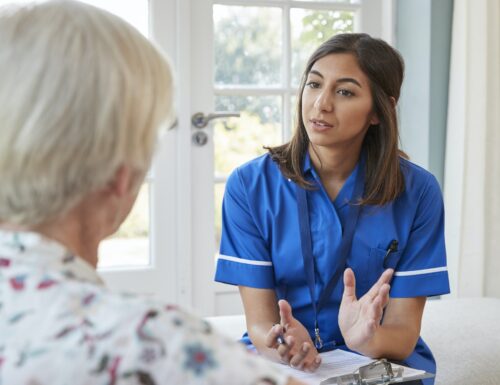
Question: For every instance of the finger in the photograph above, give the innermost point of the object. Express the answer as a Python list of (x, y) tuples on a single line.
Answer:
[(314, 365), (376, 310), (272, 336), (380, 302), (384, 294), (284, 350), (297, 361), (285, 312), (385, 277), (349, 285)]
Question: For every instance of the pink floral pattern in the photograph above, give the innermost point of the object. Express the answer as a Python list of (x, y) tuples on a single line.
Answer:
[(60, 325)]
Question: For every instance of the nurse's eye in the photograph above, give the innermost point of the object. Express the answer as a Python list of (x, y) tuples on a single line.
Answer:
[(312, 84), (345, 92)]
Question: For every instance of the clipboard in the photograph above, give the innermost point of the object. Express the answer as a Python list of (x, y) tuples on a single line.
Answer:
[(380, 372), (340, 367)]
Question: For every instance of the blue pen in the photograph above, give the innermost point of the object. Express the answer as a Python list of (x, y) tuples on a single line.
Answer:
[(281, 339)]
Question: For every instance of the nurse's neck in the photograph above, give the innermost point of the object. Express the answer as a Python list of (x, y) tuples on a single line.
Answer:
[(334, 165)]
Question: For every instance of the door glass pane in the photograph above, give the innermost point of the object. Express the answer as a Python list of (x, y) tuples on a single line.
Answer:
[(310, 28), (238, 140), (219, 193), (247, 45), (129, 246)]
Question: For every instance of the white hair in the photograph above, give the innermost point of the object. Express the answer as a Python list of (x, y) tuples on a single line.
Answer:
[(81, 93)]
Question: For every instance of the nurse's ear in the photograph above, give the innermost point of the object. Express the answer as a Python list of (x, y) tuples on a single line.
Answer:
[(374, 119)]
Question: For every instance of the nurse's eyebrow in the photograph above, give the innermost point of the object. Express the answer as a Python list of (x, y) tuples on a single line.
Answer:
[(341, 80)]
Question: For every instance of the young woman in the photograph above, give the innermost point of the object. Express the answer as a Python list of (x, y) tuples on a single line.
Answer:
[(335, 239)]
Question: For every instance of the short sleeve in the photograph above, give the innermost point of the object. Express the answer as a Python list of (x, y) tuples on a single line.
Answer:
[(422, 270), (175, 347), (244, 257)]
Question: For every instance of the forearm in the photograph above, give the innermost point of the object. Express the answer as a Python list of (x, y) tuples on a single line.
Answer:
[(395, 342)]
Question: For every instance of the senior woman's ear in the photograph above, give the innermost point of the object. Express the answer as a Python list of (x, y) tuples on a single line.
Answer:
[(123, 183)]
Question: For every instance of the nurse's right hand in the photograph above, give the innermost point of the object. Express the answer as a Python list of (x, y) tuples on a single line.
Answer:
[(297, 349)]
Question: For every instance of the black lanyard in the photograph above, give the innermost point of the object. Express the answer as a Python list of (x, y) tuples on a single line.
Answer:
[(344, 249)]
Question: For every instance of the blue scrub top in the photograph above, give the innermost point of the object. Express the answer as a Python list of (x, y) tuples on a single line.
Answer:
[(261, 245)]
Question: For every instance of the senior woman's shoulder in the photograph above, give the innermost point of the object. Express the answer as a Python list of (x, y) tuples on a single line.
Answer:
[(96, 335)]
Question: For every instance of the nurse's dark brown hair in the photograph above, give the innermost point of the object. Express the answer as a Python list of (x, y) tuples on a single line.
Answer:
[(384, 67)]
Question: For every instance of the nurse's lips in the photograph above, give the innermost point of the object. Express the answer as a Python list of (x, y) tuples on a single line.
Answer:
[(320, 125)]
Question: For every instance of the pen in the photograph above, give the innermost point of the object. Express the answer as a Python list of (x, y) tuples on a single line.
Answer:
[(393, 246), (281, 339)]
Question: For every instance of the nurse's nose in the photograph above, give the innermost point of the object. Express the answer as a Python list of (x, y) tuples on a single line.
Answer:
[(324, 101)]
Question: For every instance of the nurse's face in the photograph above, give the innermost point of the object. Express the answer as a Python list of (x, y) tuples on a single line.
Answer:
[(336, 102)]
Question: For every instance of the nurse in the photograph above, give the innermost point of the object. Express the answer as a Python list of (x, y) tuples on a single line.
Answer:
[(335, 239)]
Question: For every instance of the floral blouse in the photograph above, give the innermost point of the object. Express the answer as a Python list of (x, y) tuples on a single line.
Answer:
[(60, 325)]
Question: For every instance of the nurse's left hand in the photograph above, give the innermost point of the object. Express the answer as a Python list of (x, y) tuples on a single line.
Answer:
[(360, 318)]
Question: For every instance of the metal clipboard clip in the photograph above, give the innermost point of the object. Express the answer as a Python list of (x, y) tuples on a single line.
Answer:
[(378, 372)]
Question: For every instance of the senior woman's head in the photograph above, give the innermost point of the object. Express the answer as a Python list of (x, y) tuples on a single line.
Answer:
[(81, 98)]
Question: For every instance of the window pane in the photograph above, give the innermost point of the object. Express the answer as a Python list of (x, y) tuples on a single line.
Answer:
[(238, 140), (247, 45), (310, 28), (129, 246)]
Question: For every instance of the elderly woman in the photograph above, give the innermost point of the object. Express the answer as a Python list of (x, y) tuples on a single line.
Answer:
[(82, 96)]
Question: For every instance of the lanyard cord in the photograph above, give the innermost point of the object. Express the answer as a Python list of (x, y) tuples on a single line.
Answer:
[(344, 249)]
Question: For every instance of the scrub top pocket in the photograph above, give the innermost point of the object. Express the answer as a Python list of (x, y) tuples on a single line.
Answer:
[(375, 265)]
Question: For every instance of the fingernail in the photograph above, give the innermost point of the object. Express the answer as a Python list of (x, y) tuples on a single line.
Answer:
[(305, 348), (318, 360)]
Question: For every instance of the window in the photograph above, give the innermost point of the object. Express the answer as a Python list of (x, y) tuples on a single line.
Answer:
[(259, 55)]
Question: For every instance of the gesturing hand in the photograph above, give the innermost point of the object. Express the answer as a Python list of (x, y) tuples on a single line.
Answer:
[(298, 349), (360, 319)]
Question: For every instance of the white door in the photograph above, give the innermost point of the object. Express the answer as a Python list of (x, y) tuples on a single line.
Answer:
[(247, 57)]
